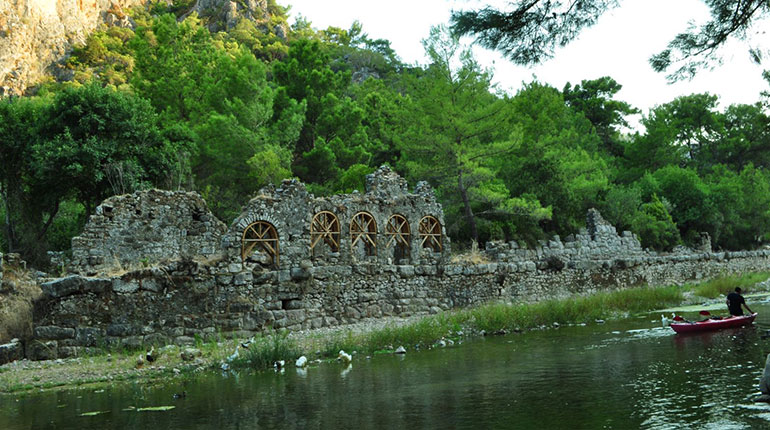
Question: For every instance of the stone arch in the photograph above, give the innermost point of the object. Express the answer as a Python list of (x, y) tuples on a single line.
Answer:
[(261, 236), (363, 232), (430, 233), (325, 228), (399, 237)]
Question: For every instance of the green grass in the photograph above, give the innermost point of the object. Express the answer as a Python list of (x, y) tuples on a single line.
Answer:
[(490, 318), (493, 318), (721, 286), (266, 350)]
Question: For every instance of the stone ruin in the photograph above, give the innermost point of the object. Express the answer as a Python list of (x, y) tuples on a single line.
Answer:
[(147, 227), (295, 261), (281, 228)]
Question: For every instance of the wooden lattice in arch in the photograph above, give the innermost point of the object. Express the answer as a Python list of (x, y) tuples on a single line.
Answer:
[(263, 237), (430, 233), (325, 228), (363, 228)]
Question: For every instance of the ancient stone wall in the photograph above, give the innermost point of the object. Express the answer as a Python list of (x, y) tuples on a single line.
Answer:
[(135, 230), (285, 266)]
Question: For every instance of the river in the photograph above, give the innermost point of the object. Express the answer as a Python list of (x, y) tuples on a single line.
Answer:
[(618, 375)]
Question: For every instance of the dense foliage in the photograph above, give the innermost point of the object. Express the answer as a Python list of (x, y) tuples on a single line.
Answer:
[(172, 104)]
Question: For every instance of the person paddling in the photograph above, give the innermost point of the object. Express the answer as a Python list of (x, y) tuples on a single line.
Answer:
[(734, 302)]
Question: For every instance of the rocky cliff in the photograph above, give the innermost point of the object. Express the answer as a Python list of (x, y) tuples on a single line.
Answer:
[(37, 35)]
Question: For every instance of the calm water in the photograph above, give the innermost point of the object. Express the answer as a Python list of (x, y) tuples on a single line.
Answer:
[(620, 375)]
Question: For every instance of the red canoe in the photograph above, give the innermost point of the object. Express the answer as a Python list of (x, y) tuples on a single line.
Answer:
[(713, 324)]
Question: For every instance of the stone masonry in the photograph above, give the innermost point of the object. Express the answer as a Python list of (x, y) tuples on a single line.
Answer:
[(296, 261), (134, 230)]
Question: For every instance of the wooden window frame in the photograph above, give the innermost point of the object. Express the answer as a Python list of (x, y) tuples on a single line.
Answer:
[(363, 227), (325, 227), (430, 233), (399, 232), (264, 236)]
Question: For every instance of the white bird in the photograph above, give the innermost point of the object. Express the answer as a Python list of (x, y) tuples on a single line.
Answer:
[(235, 355), (225, 367), (664, 321), (248, 343), (301, 362), (279, 364), (344, 357)]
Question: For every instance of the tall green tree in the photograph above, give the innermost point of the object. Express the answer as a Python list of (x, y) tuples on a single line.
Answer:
[(218, 91), (85, 144), (456, 131), (594, 98), (556, 158)]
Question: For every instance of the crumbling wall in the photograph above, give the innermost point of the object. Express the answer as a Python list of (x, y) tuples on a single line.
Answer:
[(293, 212), (309, 282), (141, 229)]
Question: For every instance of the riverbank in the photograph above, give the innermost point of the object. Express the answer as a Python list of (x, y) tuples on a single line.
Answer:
[(365, 338)]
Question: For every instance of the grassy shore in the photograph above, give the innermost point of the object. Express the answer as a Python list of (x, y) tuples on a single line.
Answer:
[(381, 337)]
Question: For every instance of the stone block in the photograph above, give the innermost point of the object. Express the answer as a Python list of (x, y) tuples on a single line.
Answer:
[(296, 316), (54, 332), (63, 286), (132, 342), (284, 275), (42, 350), (88, 336), (121, 286), (184, 340), (151, 284), (299, 274), (11, 351), (70, 351), (121, 330), (156, 339), (406, 271)]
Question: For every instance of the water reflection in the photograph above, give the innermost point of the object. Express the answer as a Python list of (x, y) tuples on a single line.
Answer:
[(630, 374)]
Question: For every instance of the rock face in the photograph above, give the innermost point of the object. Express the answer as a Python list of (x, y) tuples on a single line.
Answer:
[(223, 15), (36, 34)]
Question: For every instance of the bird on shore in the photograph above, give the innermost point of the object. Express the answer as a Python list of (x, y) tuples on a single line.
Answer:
[(150, 356), (344, 357), (139, 361), (301, 362), (234, 355), (248, 343)]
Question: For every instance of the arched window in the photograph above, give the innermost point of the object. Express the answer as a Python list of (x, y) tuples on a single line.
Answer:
[(325, 228), (430, 233), (263, 237), (363, 229), (398, 236)]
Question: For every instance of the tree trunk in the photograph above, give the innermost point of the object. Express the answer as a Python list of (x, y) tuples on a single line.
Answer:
[(468, 211), (10, 234)]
